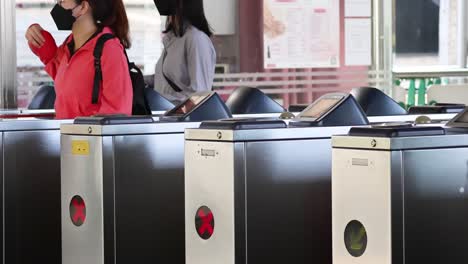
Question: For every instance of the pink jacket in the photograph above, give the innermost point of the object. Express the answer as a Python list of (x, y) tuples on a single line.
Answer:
[(74, 77)]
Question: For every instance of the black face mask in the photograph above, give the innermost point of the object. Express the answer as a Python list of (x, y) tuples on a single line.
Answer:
[(63, 18), (165, 7)]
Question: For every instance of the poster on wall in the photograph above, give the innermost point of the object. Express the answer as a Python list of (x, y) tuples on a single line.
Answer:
[(301, 33), (358, 42)]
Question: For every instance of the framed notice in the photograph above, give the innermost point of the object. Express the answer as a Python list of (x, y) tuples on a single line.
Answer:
[(301, 33), (358, 42)]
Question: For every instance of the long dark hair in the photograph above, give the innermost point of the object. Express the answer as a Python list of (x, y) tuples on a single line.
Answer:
[(111, 13), (192, 12)]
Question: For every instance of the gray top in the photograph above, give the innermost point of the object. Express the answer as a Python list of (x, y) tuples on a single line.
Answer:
[(189, 63)]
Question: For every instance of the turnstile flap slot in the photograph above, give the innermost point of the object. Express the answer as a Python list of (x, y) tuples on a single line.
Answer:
[(113, 120), (297, 108), (244, 124), (396, 131), (437, 109)]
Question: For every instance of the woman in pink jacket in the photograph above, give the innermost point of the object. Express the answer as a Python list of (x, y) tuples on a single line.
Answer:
[(71, 65)]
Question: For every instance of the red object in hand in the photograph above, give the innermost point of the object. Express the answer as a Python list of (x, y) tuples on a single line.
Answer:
[(48, 50)]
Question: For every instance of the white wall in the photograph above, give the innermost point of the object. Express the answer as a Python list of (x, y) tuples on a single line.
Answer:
[(222, 15)]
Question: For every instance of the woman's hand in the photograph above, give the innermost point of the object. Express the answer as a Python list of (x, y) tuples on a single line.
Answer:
[(34, 35), (41, 43)]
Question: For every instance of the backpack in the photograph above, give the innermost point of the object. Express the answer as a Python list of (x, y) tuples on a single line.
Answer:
[(140, 102)]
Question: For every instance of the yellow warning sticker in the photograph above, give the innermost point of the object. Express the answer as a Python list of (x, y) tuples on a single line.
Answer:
[(80, 147)]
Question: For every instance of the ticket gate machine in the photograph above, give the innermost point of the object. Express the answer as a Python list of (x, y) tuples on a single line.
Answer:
[(400, 194), (123, 185), (30, 191), (259, 192)]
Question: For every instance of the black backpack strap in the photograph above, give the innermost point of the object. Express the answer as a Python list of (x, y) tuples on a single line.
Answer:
[(66, 40), (97, 65), (169, 81)]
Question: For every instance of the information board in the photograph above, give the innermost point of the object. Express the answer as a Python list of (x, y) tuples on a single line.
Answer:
[(301, 33)]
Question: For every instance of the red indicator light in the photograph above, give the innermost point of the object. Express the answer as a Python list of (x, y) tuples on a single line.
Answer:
[(204, 222), (77, 211)]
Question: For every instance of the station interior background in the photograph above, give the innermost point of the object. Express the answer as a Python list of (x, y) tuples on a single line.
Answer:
[(417, 39)]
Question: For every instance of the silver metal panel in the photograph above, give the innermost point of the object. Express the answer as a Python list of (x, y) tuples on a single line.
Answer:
[(264, 134), (209, 181), (149, 198), (363, 193), (26, 112), (361, 142), (429, 179), (33, 112), (82, 175), (288, 197), (31, 178), (10, 111), (435, 200), (31, 124), (8, 54), (140, 129), (460, 140)]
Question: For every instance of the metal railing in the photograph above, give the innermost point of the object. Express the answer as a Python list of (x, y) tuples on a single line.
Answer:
[(433, 72), (288, 87)]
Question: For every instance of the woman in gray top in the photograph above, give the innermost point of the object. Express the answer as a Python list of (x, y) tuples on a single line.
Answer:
[(187, 64)]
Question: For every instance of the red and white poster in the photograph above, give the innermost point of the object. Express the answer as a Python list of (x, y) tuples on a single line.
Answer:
[(301, 33)]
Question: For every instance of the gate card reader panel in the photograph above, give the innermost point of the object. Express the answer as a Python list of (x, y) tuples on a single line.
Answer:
[(437, 109), (332, 110), (197, 108), (113, 120), (243, 124), (396, 131)]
